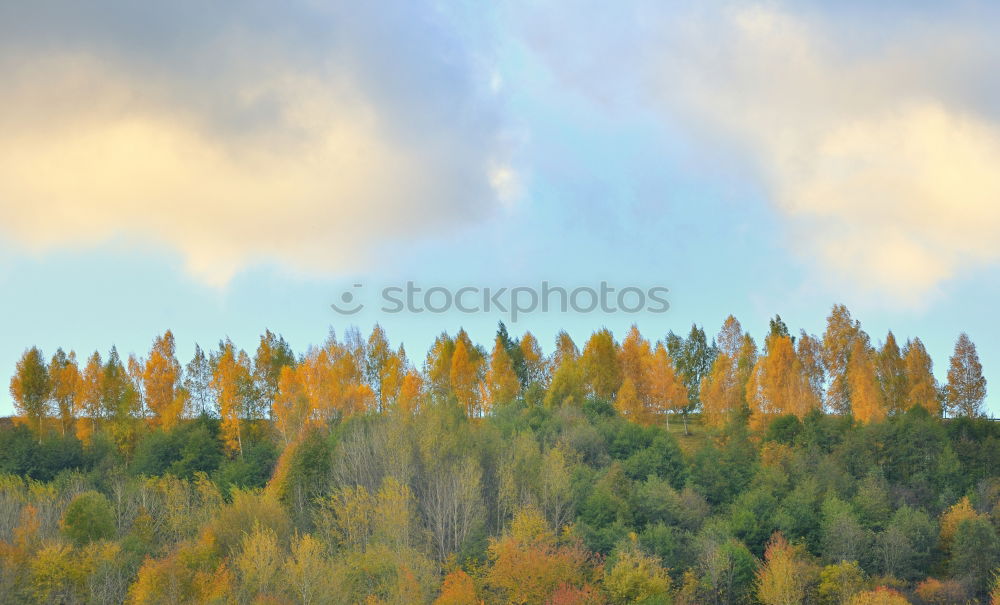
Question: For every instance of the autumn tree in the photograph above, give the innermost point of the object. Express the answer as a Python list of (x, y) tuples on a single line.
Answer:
[(966, 388), (290, 408), (921, 385), (667, 394), (601, 366), (785, 574), (566, 350), (465, 369), (536, 369), (528, 563), (720, 392), (636, 577), (410, 392), (457, 588), (568, 386), (778, 384), (30, 388), (630, 406), (231, 374), (161, 378), (633, 358), (437, 367), (119, 401), (89, 398), (810, 351), (866, 401), (838, 340), (65, 377), (273, 354), (723, 388), (501, 385), (880, 596)]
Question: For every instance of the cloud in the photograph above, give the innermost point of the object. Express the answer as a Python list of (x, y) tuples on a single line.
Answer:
[(295, 135), (872, 128), (882, 160)]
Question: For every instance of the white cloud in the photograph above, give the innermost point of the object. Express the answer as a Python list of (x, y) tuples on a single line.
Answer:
[(889, 177), (252, 146), (873, 128)]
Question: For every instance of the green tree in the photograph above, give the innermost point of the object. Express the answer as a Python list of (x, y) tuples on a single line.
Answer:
[(88, 517)]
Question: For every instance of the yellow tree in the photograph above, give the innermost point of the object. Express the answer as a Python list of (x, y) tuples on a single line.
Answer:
[(667, 393), (30, 387), (778, 384), (465, 378), (89, 398), (921, 385), (567, 385), (629, 405), (65, 376), (600, 364), (535, 368), (810, 352), (316, 375), (730, 338), (161, 378), (866, 401), (785, 574), (501, 385), (841, 331), (633, 358), (391, 378), (720, 392), (291, 404), (566, 350), (437, 367), (232, 373), (723, 389), (410, 392), (272, 354)]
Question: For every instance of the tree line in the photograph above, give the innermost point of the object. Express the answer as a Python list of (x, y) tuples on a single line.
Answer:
[(809, 469)]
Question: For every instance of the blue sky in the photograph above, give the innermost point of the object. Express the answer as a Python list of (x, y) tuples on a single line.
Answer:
[(218, 174)]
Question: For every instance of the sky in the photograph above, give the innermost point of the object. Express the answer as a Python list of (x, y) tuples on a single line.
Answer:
[(219, 172)]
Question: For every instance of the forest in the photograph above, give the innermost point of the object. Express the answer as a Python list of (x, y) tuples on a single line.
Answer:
[(678, 469)]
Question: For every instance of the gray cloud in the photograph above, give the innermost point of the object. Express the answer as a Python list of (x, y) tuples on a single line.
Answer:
[(302, 133)]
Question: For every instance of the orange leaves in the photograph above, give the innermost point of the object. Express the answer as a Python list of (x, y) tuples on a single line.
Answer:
[(457, 589), (778, 384), (529, 565), (651, 387), (601, 366), (501, 385), (465, 366), (160, 378), (922, 386), (291, 404), (785, 574), (232, 373), (866, 401)]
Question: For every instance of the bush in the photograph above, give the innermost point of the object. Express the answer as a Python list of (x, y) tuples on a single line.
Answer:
[(88, 518)]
